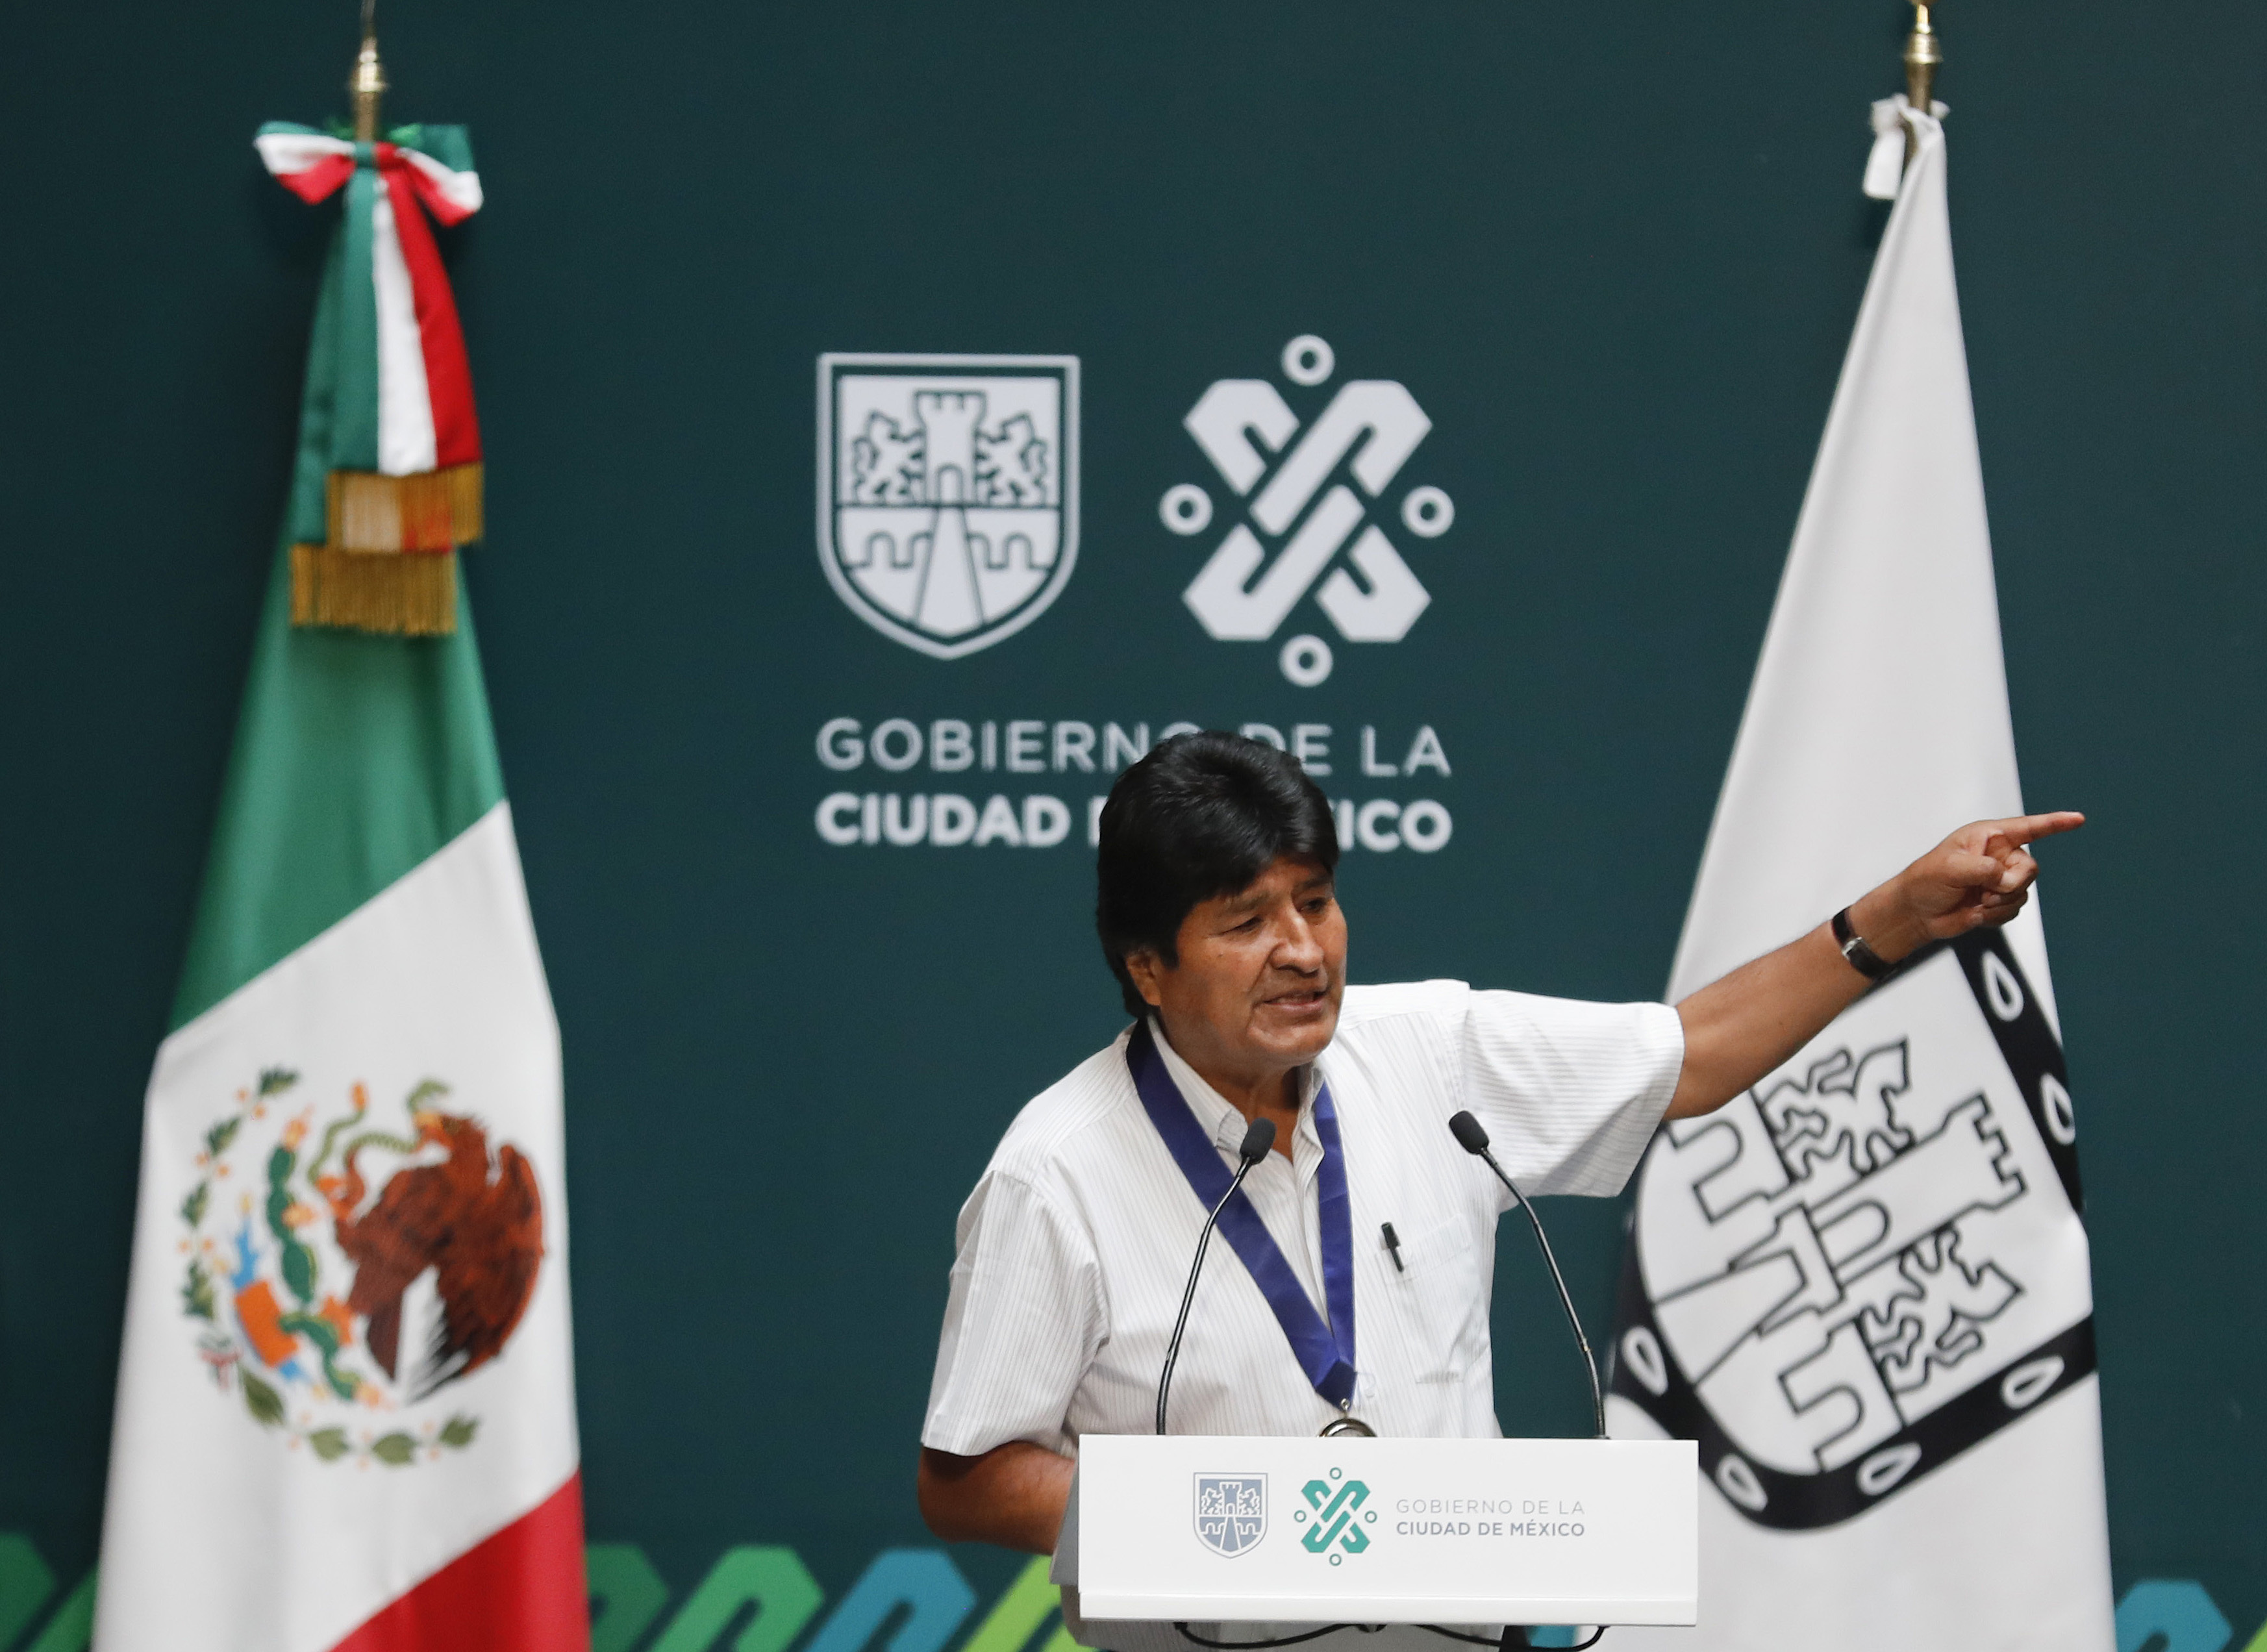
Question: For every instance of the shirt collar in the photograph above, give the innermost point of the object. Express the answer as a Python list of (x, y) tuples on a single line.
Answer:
[(1217, 1114)]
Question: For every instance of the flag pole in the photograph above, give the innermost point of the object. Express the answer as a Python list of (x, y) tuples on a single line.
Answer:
[(1924, 55), (368, 81)]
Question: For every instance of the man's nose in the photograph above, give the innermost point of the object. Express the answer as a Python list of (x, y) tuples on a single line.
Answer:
[(1297, 945)]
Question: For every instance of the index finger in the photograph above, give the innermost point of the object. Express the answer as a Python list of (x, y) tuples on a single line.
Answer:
[(2031, 828)]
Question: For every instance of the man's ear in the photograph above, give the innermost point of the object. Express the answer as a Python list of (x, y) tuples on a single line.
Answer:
[(1145, 967)]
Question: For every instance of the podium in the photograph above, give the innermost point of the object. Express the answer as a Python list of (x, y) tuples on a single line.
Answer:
[(1185, 1528)]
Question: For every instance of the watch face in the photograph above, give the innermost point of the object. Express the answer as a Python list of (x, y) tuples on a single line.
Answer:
[(1861, 957)]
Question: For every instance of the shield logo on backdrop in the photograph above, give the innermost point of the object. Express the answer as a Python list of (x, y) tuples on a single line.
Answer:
[(1232, 1512), (948, 492), (1872, 1261)]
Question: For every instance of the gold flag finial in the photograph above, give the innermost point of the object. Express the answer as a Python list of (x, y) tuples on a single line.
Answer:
[(368, 81), (1924, 55)]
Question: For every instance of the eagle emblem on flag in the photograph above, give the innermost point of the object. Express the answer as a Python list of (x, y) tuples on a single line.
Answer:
[(341, 1274)]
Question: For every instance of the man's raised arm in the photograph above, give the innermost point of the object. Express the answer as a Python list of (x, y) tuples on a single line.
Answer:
[(1738, 1029)]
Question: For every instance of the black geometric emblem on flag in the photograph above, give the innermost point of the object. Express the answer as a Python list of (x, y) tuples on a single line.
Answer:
[(1875, 1260)]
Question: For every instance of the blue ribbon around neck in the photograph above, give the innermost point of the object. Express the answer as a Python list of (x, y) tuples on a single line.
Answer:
[(1324, 1352)]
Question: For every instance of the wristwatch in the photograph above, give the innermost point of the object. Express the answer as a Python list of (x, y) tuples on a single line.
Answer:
[(1862, 958)]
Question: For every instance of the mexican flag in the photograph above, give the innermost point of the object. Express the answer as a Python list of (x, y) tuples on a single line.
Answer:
[(1863, 1285), (346, 1411)]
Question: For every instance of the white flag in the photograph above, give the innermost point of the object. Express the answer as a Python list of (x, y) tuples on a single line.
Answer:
[(1863, 1285)]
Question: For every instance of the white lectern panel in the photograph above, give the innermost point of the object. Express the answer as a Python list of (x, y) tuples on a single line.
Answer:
[(1194, 1527)]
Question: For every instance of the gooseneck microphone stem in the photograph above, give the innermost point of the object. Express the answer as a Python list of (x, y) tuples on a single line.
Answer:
[(1189, 1296), (1258, 1139), (1474, 1141), (1565, 1299)]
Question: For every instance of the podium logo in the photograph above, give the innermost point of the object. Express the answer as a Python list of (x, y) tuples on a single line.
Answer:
[(1872, 1261), (948, 492), (1232, 1512), (1336, 1529), (1305, 496)]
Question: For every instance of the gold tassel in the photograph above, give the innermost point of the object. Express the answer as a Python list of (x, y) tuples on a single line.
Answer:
[(391, 563), (407, 595), (432, 510)]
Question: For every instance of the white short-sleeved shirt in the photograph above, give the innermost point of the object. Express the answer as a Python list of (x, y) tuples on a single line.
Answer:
[(1075, 1248)]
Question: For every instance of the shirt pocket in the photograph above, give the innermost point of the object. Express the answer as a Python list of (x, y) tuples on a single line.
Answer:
[(1436, 1296)]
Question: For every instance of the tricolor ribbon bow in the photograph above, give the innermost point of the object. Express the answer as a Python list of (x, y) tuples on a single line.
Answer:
[(388, 483)]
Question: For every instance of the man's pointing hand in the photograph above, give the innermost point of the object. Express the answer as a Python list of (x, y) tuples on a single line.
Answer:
[(1738, 1029), (1981, 874)]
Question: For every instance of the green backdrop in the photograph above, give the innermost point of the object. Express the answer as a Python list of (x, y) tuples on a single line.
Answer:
[(1614, 252)]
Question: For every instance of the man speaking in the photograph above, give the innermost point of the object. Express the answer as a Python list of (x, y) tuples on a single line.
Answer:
[(1362, 1297)]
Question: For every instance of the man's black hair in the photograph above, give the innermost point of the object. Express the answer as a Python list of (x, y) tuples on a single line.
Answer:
[(1202, 815)]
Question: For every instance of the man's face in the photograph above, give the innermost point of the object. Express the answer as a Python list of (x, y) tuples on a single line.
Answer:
[(1260, 975)]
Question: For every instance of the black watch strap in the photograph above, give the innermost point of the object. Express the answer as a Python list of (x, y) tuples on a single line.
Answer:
[(1862, 958)]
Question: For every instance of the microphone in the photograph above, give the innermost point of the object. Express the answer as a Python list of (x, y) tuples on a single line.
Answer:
[(1474, 1139), (1257, 1141), (1258, 1137)]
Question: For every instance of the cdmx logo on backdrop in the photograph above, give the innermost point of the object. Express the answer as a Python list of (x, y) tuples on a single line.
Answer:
[(948, 492), (1873, 1260), (1303, 522), (948, 500)]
